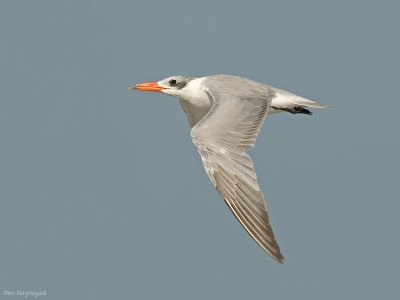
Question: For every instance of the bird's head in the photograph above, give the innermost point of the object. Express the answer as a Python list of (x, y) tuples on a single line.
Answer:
[(174, 85)]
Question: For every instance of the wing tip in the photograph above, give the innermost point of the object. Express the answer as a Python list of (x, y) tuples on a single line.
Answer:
[(276, 255), (280, 259)]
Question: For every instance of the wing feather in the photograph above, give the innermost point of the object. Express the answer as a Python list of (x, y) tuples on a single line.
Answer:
[(222, 137)]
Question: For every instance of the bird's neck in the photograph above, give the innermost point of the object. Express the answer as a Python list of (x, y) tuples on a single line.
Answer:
[(195, 102), (195, 110)]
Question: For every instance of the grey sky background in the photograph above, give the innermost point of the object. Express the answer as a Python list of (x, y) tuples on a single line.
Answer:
[(103, 195)]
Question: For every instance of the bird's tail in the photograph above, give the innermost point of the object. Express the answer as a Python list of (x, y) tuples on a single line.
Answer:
[(308, 103), (295, 100)]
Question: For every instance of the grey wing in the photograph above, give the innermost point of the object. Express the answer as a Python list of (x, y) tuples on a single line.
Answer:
[(222, 136)]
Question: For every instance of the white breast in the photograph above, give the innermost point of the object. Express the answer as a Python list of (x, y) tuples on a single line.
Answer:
[(194, 101)]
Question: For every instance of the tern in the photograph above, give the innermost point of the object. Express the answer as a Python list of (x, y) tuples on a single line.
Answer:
[(226, 113)]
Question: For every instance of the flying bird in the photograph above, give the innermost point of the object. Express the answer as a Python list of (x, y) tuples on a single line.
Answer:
[(226, 113)]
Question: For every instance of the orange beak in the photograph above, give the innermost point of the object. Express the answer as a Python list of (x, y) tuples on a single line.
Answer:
[(147, 86)]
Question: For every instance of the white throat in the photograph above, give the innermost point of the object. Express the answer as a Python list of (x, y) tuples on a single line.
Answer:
[(193, 100)]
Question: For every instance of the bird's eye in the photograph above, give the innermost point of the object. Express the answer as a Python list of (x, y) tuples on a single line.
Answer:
[(173, 82)]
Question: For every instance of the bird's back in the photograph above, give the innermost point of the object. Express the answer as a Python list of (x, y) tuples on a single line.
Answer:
[(238, 86)]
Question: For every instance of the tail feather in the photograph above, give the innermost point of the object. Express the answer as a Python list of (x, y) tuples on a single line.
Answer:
[(308, 103), (284, 98)]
